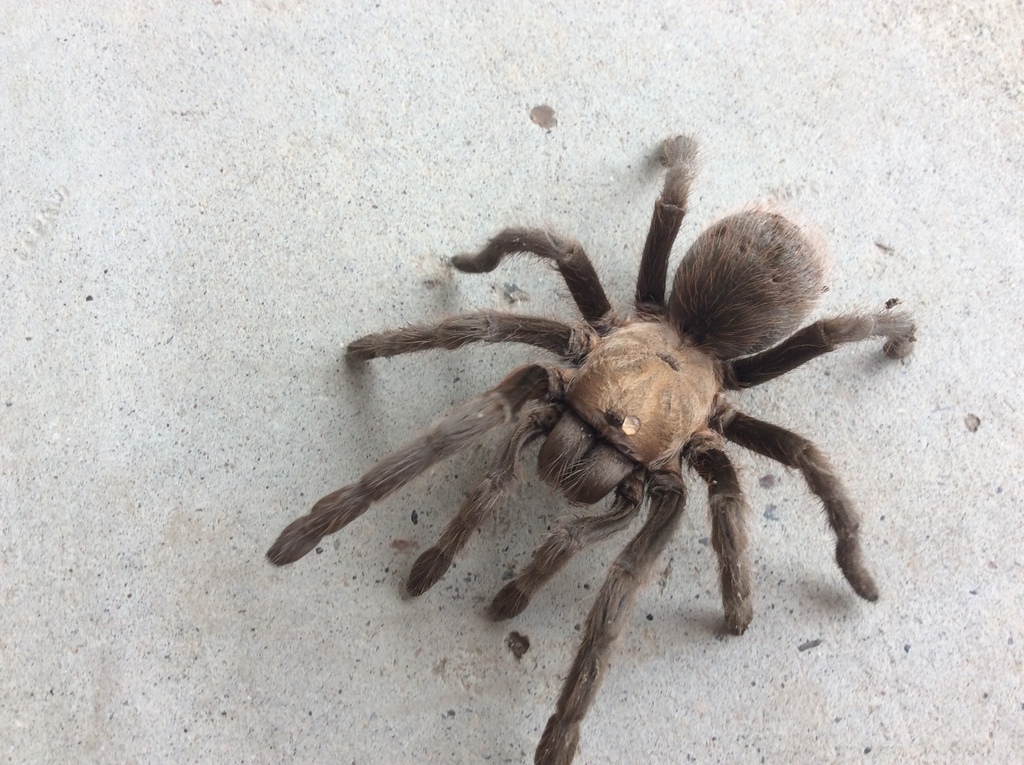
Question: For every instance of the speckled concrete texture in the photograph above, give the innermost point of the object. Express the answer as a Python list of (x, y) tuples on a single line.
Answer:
[(202, 203)]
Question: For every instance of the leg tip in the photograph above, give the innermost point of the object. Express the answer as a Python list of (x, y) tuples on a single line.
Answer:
[(360, 350), (469, 264), (294, 542), (863, 584), (426, 572), (738, 618), (867, 590), (848, 556), (678, 149), (899, 347), (558, 744), (511, 601)]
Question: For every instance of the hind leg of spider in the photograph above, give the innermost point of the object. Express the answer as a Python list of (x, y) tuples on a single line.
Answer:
[(451, 434), (571, 343), (569, 257), (482, 502), (822, 337), (729, 511), (679, 155), (795, 451), (573, 535), (607, 617)]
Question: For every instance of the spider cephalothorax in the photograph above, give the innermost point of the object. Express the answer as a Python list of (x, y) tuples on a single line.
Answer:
[(634, 400)]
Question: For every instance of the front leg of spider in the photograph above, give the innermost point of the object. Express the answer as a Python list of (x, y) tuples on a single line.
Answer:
[(608, 616)]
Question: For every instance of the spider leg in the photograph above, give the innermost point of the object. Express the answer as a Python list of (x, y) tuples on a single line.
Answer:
[(573, 535), (608, 616), (482, 502), (729, 511), (449, 435), (795, 451), (571, 343), (679, 155), (569, 257), (819, 338)]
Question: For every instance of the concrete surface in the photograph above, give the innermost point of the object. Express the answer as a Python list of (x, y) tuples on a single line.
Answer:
[(203, 202)]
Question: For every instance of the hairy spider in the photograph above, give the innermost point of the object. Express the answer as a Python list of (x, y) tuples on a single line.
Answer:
[(634, 400)]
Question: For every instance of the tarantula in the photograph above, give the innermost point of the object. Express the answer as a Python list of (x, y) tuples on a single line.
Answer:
[(634, 399)]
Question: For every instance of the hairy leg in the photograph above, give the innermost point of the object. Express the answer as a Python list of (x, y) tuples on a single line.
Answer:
[(608, 616), (481, 502), (573, 535), (571, 343), (452, 433), (821, 337), (679, 155), (729, 511), (795, 451), (570, 259)]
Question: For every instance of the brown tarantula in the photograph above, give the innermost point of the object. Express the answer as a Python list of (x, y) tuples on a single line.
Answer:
[(634, 399)]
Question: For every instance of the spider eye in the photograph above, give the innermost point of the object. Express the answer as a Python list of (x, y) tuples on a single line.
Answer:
[(613, 418)]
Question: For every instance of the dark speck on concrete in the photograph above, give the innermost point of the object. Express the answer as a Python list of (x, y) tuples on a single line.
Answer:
[(544, 116), (517, 643), (513, 294)]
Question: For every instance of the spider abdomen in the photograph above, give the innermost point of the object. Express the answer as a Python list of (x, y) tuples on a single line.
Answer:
[(746, 282)]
